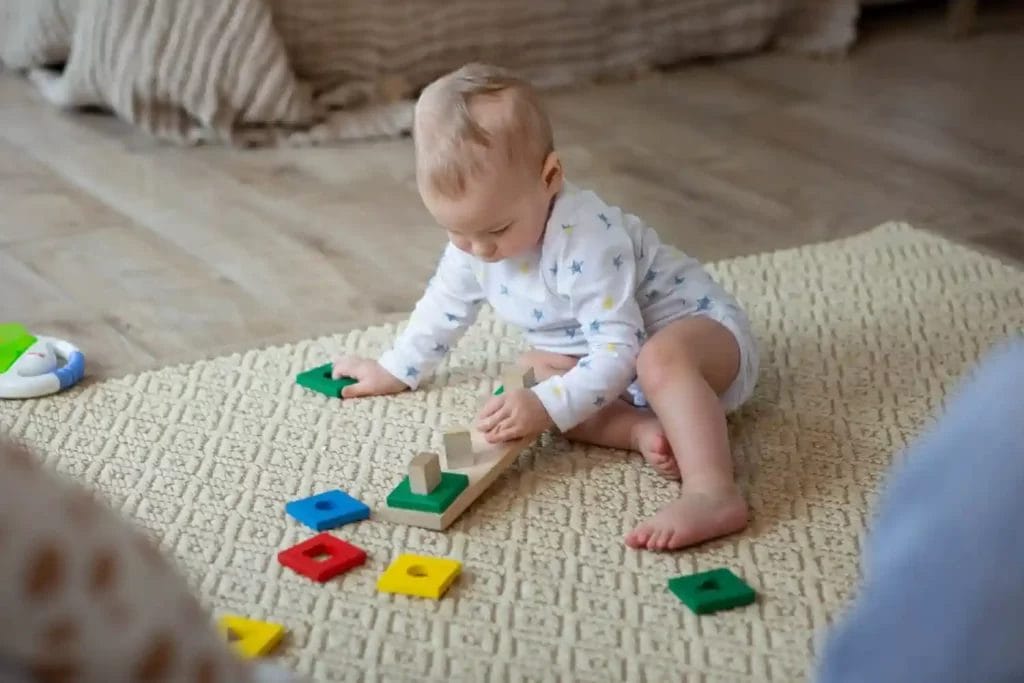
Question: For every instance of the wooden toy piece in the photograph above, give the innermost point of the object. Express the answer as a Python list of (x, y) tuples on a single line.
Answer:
[(490, 461), (418, 575), (516, 379), (711, 591), (424, 473), (438, 500), (482, 466), (322, 557), (458, 450), (319, 379), (327, 510), (249, 637)]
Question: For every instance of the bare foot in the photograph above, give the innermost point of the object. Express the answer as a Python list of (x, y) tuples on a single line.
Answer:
[(649, 438), (697, 515)]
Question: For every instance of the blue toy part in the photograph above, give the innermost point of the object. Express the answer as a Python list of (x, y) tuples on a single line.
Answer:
[(38, 371), (327, 510)]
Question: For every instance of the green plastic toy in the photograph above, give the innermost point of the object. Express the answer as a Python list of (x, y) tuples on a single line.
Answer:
[(14, 341)]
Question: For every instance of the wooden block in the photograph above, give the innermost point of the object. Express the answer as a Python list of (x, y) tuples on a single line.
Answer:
[(490, 462), (438, 500), (424, 473), (419, 575), (320, 379), (712, 591), (327, 510), (517, 379), (322, 557), (249, 637), (458, 450)]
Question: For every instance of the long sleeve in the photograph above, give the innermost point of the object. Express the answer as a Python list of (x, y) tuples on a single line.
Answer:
[(596, 272), (449, 306)]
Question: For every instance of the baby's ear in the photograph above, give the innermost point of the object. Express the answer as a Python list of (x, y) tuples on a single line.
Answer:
[(552, 172)]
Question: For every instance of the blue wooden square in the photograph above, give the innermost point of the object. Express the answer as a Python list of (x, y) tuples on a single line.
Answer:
[(327, 510)]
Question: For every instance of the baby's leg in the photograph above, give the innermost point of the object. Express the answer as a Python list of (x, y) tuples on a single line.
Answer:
[(682, 370), (618, 425)]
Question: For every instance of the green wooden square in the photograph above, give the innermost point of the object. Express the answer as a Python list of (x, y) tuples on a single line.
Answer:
[(319, 379), (712, 591), (438, 500), (500, 390)]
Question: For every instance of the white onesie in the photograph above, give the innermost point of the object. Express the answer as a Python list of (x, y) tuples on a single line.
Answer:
[(599, 283)]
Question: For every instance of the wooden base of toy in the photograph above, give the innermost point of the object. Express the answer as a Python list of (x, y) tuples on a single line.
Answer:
[(490, 461)]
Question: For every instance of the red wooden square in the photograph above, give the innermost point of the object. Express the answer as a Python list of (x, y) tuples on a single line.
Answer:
[(341, 557)]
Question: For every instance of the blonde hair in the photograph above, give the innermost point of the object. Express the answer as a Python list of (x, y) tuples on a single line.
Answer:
[(452, 145)]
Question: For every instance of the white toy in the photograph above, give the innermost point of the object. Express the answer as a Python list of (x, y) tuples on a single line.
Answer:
[(36, 366)]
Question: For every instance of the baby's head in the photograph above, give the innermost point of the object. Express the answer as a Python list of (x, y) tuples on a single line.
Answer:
[(485, 161)]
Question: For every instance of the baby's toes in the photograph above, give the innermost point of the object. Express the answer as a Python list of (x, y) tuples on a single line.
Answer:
[(660, 541), (665, 465), (638, 537)]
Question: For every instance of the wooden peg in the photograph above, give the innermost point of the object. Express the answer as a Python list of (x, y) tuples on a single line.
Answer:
[(517, 379), (424, 473), (458, 449)]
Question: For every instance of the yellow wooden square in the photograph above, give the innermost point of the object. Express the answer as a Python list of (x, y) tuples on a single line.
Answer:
[(419, 575), (249, 637)]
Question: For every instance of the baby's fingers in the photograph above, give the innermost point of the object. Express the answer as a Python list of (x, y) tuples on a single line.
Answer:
[(503, 431), (493, 405), (357, 390), (344, 366), (489, 420)]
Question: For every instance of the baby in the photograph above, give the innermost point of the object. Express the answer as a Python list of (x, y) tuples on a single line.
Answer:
[(635, 346)]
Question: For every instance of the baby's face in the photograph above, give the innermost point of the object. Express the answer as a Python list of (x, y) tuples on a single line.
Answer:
[(499, 216)]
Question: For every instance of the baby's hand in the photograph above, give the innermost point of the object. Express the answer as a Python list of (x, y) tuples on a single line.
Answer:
[(371, 378), (513, 415)]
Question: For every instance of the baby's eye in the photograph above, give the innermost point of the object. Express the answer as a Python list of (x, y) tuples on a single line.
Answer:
[(501, 230)]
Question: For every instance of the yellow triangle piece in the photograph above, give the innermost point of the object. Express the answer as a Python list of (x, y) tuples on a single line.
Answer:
[(249, 637)]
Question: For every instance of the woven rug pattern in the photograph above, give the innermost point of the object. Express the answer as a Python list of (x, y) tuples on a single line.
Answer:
[(860, 340)]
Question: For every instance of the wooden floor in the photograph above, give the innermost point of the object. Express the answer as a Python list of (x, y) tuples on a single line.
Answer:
[(144, 254)]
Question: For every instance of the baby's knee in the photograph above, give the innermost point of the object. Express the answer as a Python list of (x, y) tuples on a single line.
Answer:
[(659, 364)]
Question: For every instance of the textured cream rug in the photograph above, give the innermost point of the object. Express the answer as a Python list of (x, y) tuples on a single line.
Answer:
[(861, 339)]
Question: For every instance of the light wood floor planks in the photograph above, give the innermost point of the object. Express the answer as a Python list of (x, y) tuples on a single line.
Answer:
[(145, 254)]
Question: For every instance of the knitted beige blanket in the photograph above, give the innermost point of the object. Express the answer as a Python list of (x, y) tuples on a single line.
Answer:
[(861, 340), (315, 71)]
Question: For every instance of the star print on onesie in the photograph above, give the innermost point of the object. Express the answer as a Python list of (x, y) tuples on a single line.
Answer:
[(596, 287)]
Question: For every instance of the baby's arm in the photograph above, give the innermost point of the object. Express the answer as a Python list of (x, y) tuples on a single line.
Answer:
[(449, 306), (597, 271)]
